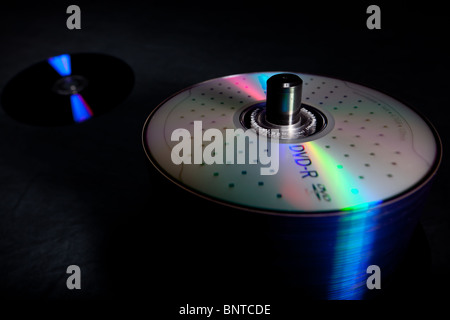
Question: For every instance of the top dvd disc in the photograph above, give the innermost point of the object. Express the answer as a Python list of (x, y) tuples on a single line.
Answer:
[(352, 148), (67, 89)]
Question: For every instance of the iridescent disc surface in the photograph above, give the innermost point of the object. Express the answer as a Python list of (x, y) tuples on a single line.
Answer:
[(373, 148)]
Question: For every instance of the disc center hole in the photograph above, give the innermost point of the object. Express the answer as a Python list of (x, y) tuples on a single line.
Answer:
[(70, 85)]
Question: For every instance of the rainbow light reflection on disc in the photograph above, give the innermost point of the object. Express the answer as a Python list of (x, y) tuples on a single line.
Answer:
[(353, 244), (352, 253), (80, 109), (263, 82), (61, 64)]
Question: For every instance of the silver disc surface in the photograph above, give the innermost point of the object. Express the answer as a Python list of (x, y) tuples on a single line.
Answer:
[(372, 149)]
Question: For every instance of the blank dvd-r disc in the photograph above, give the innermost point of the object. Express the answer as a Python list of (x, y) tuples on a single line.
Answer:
[(339, 170), (369, 149), (67, 89)]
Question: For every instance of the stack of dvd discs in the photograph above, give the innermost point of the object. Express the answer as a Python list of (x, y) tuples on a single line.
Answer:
[(336, 171)]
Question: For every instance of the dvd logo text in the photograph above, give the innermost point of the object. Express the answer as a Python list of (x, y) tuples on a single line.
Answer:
[(302, 159), (221, 150)]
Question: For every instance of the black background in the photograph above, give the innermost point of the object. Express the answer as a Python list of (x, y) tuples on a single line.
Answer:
[(83, 194)]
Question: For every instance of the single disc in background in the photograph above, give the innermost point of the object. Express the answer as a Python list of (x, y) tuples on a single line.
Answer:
[(67, 89)]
